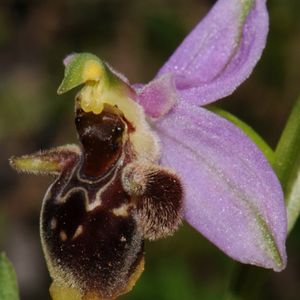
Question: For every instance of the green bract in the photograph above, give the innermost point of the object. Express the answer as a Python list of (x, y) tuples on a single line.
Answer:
[(8, 280)]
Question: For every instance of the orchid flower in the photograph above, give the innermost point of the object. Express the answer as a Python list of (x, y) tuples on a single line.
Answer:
[(151, 155)]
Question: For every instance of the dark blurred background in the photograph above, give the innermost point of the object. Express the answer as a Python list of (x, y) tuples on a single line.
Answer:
[(135, 37)]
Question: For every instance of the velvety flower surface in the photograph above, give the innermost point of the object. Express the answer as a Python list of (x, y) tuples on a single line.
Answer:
[(232, 195)]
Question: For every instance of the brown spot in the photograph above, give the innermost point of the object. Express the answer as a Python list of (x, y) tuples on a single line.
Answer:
[(63, 236)]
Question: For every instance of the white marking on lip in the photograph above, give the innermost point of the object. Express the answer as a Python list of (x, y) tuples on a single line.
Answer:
[(64, 199), (78, 232), (53, 223), (96, 203), (60, 199), (115, 171), (121, 211), (123, 238)]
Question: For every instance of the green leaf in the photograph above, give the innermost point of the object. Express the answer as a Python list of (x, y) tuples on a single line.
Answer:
[(8, 280), (250, 132), (287, 164)]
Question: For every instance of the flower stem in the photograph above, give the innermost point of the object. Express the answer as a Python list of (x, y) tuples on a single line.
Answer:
[(287, 164)]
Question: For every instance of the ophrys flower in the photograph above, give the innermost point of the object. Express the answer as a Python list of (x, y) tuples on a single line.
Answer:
[(149, 154)]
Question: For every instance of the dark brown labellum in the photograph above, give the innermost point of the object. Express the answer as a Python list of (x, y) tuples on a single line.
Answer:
[(105, 202)]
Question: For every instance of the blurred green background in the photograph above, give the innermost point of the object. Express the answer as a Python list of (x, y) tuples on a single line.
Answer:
[(135, 37)]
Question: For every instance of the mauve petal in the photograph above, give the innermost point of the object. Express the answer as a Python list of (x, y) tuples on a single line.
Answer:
[(158, 96), (232, 195), (221, 52)]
